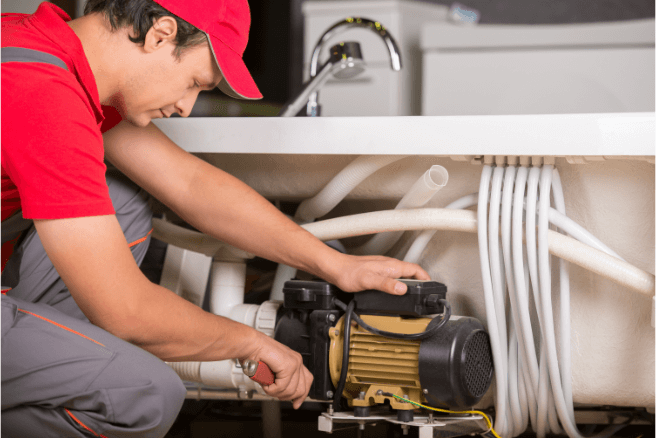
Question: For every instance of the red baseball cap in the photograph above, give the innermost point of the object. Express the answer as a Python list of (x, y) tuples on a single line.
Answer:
[(226, 24)]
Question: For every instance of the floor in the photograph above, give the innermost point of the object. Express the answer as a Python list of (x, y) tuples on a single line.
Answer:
[(230, 419)]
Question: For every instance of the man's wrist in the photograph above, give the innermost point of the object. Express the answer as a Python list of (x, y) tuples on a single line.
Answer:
[(332, 264)]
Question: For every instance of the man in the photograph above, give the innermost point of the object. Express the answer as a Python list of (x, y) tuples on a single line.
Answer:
[(84, 333)]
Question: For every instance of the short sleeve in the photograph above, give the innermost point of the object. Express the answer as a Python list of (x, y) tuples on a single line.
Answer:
[(52, 148)]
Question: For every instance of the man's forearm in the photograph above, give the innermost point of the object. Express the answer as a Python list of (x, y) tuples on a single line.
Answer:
[(224, 207), (221, 206), (173, 329)]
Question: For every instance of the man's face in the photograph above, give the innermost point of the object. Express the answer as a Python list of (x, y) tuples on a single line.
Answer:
[(163, 84)]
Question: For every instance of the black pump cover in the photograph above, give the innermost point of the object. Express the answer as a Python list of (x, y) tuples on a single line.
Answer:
[(421, 299), (310, 295), (455, 364)]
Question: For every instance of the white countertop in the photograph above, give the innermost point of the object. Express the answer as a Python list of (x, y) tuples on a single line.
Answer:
[(553, 135)]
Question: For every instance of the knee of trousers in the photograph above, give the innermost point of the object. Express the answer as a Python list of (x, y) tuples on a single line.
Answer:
[(145, 394)]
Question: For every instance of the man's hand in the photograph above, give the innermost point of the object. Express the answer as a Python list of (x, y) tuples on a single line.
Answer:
[(292, 379), (356, 273)]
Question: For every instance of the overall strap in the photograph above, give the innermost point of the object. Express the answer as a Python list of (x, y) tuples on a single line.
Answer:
[(21, 54), (13, 226)]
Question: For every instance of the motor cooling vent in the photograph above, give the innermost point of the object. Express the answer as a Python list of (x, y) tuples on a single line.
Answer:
[(455, 365), (478, 363)]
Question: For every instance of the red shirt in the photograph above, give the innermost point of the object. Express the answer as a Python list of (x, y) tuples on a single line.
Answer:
[(52, 147)]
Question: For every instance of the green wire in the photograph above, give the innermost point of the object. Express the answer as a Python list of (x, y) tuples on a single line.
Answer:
[(487, 419)]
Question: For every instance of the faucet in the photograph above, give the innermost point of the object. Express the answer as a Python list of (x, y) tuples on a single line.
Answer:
[(345, 61)]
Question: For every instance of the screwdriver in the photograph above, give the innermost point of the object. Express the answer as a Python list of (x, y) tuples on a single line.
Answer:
[(258, 372)]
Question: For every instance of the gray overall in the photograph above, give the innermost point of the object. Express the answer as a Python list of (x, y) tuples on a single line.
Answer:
[(61, 375)]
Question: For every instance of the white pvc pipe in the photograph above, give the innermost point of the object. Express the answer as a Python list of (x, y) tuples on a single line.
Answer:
[(463, 220), (219, 374), (284, 273), (196, 241), (575, 230), (490, 310), (420, 242), (227, 286), (431, 182), (556, 218), (332, 194), (521, 297), (342, 184), (516, 391), (565, 322), (227, 299)]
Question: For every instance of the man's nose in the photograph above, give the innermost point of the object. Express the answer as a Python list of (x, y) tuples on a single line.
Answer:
[(184, 105)]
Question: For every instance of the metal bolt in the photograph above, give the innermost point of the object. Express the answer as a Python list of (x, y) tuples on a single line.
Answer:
[(379, 392), (361, 395), (425, 391), (405, 396), (405, 428), (430, 417), (330, 394), (361, 426), (330, 409), (336, 332), (331, 317)]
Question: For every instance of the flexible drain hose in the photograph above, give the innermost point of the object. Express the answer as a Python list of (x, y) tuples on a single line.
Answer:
[(561, 246)]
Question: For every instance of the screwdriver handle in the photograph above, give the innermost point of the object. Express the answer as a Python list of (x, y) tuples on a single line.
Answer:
[(258, 372)]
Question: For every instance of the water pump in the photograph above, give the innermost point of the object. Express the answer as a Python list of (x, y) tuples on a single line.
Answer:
[(379, 344)]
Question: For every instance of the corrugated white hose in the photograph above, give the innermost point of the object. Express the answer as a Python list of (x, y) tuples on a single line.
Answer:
[(463, 220), (419, 244), (490, 310), (342, 184), (556, 218), (567, 225), (431, 182), (547, 313), (332, 194)]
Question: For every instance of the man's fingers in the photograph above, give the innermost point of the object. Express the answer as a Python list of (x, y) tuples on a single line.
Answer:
[(415, 271), (307, 378)]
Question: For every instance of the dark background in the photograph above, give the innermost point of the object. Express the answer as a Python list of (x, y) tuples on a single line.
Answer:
[(274, 54)]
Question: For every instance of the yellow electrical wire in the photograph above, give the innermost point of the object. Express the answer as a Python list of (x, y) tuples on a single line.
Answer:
[(487, 419)]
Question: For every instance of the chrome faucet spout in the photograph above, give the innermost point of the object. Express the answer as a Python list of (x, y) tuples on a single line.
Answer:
[(313, 108), (345, 61), (350, 22)]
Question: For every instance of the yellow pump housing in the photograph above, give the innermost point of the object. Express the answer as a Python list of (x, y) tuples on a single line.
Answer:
[(377, 363)]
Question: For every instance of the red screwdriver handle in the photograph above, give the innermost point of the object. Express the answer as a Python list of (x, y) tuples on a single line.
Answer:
[(258, 372), (263, 375)]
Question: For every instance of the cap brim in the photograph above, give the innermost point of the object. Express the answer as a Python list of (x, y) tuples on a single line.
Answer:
[(237, 81)]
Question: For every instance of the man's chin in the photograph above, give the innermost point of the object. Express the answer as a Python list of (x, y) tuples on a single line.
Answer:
[(141, 121)]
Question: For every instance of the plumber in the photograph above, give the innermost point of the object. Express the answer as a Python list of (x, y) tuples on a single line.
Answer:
[(84, 333)]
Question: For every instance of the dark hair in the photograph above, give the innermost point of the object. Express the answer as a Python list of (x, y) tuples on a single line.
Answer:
[(141, 14)]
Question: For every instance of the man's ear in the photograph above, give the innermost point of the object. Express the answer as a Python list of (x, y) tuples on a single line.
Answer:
[(164, 29)]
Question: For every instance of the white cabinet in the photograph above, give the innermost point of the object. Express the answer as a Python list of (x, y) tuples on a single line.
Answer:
[(378, 91), (554, 69)]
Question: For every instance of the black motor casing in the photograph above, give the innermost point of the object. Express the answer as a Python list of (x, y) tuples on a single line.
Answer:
[(455, 364)]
